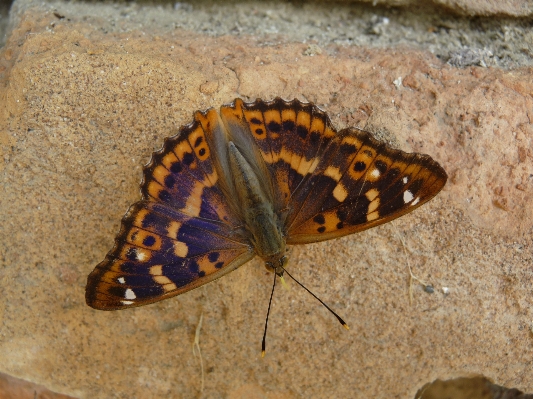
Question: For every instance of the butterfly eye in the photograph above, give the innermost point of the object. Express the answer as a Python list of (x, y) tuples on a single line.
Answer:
[(269, 266)]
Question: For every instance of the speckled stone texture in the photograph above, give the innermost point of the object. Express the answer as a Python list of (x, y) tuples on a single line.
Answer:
[(516, 8), (83, 109)]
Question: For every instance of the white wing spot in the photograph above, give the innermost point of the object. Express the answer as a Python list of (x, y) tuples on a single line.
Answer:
[(121, 280), (375, 173), (126, 302), (407, 196), (405, 180), (129, 294), (417, 199)]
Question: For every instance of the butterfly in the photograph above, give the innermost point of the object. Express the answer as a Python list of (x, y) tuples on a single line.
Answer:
[(251, 180)]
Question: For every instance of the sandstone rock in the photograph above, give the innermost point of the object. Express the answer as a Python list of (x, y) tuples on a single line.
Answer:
[(83, 109)]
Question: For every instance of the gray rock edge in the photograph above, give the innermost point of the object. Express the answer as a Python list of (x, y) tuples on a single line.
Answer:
[(503, 42)]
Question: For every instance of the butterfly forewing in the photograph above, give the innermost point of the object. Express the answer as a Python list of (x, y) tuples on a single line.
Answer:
[(367, 185), (161, 252)]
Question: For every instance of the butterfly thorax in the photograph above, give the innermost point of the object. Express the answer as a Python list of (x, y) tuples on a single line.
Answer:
[(261, 221)]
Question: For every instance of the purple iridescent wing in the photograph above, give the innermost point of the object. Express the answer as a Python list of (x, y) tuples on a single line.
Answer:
[(182, 234)]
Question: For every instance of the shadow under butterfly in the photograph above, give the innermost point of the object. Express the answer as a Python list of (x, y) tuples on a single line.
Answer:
[(250, 180)]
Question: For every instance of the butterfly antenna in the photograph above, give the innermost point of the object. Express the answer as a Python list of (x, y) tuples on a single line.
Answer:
[(263, 344), (319, 300)]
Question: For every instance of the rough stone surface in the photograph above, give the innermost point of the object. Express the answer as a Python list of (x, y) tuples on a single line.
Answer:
[(501, 41), (517, 8), (83, 109)]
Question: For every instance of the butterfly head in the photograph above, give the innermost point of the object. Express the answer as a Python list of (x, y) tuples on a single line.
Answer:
[(277, 264)]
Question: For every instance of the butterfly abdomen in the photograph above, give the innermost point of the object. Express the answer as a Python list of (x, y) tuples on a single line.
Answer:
[(258, 212)]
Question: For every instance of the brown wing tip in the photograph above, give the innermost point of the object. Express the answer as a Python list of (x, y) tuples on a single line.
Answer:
[(424, 159), (92, 293)]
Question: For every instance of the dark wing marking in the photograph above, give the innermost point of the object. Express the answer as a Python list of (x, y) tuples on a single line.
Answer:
[(161, 252), (360, 183)]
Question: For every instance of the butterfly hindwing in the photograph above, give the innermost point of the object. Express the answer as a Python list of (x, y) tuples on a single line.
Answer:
[(362, 183), (289, 134), (161, 252)]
